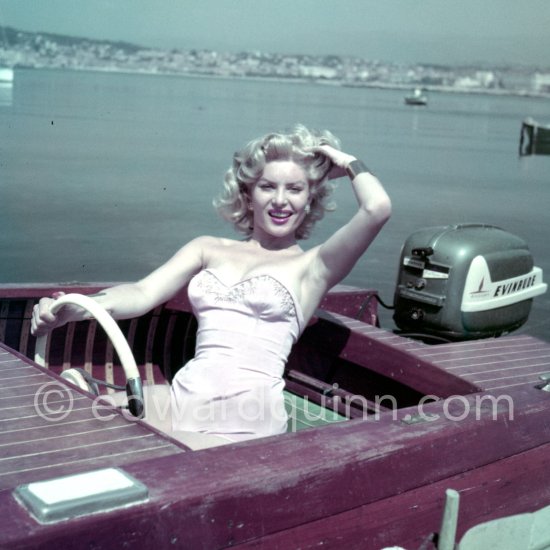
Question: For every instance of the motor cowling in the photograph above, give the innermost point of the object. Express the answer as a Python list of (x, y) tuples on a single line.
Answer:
[(464, 282)]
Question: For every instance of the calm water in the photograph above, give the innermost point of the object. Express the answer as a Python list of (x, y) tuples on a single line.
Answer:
[(104, 176)]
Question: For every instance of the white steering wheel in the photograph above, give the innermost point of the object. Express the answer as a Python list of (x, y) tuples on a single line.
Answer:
[(134, 388)]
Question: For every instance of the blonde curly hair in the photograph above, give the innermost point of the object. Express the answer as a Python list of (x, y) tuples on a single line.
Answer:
[(248, 166)]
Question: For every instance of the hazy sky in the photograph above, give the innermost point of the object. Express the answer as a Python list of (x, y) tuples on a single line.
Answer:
[(436, 31)]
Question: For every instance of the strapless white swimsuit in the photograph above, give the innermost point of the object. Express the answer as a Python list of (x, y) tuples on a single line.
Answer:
[(233, 387)]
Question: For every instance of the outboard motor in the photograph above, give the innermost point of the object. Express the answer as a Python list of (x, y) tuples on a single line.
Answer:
[(466, 281)]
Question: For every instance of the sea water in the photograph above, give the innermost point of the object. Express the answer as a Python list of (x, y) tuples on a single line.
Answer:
[(103, 176)]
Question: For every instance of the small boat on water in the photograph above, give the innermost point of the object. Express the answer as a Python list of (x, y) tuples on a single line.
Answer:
[(382, 422), (534, 138), (417, 97), (6, 86), (6, 75)]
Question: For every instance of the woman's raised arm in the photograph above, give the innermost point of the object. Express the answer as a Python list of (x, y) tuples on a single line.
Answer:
[(338, 254)]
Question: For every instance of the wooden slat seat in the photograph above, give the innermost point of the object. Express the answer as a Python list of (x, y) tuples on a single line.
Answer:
[(85, 345)]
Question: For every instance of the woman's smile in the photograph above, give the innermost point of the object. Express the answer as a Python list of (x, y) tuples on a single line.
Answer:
[(280, 217)]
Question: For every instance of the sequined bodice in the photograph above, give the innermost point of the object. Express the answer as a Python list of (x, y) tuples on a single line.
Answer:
[(258, 314)]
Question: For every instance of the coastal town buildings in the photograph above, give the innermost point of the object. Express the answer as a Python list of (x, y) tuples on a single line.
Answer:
[(48, 51)]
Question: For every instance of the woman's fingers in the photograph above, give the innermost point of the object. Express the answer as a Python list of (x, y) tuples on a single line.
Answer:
[(43, 320)]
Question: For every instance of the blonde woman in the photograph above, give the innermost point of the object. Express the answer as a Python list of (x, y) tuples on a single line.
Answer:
[(252, 296)]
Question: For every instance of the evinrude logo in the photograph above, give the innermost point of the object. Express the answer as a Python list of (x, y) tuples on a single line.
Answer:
[(480, 291), (515, 286)]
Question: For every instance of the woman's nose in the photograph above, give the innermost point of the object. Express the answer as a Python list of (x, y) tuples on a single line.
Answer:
[(280, 197)]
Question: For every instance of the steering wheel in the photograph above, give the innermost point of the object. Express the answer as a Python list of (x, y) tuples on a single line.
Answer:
[(134, 388)]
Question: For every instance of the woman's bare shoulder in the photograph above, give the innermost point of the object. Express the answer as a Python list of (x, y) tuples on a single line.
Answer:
[(211, 247), (209, 241)]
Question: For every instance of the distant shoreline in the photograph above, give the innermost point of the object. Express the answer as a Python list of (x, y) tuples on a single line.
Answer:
[(294, 80), (37, 50)]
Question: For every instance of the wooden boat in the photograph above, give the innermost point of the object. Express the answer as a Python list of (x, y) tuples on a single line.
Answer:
[(377, 478), (534, 138), (416, 98), (382, 425)]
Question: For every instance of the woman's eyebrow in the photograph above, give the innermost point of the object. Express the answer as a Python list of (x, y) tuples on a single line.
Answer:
[(266, 180)]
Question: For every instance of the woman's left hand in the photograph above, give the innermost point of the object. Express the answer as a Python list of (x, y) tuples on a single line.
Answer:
[(340, 160)]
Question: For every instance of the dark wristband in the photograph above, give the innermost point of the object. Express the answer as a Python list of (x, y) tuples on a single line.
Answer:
[(356, 167)]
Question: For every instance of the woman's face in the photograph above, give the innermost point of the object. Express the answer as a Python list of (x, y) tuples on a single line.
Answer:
[(279, 199)]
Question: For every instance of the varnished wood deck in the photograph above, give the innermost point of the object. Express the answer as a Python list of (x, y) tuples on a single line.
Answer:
[(49, 429), (496, 363)]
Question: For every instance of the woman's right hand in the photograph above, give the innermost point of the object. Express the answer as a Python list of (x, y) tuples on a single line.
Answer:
[(43, 320), (340, 160)]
